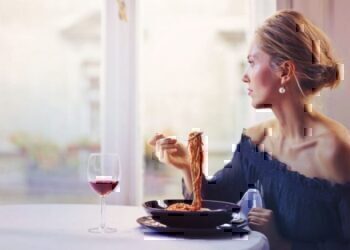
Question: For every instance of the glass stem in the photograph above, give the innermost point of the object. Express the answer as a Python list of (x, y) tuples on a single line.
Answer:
[(103, 207)]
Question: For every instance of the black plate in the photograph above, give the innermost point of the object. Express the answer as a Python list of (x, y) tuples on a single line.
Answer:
[(220, 213), (225, 230)]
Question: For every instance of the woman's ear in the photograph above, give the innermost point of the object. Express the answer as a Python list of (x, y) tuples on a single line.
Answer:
[(286, 71)]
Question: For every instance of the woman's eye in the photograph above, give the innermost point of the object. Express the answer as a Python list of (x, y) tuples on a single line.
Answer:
[(251, 62)]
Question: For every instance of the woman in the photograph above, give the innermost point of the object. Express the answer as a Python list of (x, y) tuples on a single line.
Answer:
[(301, 158)]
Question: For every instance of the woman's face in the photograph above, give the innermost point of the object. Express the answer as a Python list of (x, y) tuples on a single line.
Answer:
[(263, 83)]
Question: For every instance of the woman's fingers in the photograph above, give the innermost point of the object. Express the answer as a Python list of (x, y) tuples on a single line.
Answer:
[(161, 139), (257, 221), (257, 214), (260, 216), (258, 209), (261, 212), (155, 138), (166, 141), (171, 150), (168, 146), (253, 219), (164, 146)]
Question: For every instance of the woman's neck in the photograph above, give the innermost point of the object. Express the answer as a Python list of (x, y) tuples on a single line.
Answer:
[(293, 121)]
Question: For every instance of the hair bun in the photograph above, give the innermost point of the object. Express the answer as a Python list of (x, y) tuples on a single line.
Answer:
[(330, 75), (309, 49)]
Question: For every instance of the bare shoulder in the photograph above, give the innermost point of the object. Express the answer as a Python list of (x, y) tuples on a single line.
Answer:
[(333, 135), (258, 132), (333, 152)]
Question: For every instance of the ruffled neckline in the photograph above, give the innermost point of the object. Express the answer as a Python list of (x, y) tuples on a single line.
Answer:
[(280, 166)]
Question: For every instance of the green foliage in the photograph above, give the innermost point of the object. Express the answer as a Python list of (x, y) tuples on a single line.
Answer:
[(43, 151)]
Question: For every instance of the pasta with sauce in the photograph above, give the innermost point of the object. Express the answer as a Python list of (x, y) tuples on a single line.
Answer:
[(195, 147)]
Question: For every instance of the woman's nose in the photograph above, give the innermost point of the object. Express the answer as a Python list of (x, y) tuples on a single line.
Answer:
[(245, 77)]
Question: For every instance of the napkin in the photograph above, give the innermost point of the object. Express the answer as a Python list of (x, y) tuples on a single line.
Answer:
[(251, 199)]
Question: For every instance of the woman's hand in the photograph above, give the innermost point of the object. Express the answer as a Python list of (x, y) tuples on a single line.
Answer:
[(263, 221), (170, 151)]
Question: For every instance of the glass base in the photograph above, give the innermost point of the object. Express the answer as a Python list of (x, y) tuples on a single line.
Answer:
[(99, 230)]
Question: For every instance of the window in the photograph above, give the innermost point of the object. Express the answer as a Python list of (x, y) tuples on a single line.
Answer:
[(173, 66), (50, 102), (193, 55)]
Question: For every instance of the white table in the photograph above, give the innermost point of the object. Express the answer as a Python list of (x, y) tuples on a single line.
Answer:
[(52, 227)]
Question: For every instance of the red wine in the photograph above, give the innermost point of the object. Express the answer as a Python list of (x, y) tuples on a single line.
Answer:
[(104, 187)]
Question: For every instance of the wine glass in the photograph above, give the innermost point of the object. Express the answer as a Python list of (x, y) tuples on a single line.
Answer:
[(104, 175)]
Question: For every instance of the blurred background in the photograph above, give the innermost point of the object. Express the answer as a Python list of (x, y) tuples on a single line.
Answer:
[(191, 57), (49, 98)]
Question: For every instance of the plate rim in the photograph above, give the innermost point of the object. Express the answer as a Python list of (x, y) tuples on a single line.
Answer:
[(237, 207), (168, 229)]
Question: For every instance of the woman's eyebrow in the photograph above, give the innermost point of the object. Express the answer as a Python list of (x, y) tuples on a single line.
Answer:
[(251, 57)]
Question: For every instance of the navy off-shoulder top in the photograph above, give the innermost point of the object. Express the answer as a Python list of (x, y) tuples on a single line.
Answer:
[(310, 212)]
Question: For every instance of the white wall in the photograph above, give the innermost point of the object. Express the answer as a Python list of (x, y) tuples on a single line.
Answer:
[(332, 17), (336, 23)]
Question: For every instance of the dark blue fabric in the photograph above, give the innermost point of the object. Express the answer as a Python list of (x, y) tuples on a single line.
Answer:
[(312, 213)]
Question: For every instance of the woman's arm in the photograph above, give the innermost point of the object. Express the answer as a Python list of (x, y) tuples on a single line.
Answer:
[(262, 220)]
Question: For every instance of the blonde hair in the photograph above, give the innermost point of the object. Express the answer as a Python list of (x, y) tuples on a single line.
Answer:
[(289, 36)]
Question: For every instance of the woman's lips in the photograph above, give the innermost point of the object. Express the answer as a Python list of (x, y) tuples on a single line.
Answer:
[(250, 91)]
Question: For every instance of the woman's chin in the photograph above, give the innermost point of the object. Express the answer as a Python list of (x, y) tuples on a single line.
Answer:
[(261, 105)]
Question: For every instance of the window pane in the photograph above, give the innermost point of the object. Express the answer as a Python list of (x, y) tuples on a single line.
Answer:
[(193, 57), (50, 107)]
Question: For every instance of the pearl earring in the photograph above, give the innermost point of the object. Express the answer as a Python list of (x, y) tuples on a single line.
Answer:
[(282, 90)]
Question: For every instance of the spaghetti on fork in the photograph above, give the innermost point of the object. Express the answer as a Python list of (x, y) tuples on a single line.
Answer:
[(195, 147)]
